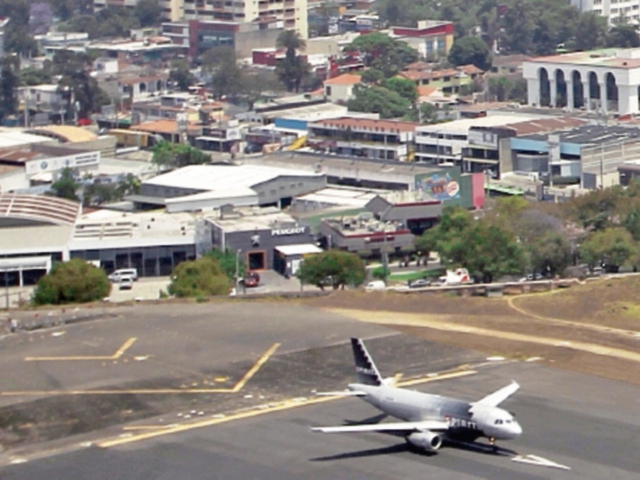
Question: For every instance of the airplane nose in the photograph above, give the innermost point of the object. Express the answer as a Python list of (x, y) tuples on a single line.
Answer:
[(516, 429)]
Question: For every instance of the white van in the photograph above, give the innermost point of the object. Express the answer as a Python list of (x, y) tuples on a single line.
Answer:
[(375, 285), (118, 275)]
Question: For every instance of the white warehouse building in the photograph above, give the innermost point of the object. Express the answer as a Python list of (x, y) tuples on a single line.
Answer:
[(606, 80)]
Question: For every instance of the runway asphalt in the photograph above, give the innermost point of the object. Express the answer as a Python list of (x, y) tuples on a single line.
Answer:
[(587, 424)]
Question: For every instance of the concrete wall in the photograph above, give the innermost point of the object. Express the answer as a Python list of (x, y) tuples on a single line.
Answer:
[(245, 42), (286, 187)]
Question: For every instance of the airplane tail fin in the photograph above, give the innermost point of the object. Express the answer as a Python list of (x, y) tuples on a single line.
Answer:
[(366, 370)]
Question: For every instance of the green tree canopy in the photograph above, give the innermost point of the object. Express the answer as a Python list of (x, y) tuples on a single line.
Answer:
[(611, 247), (148, 12), (387, 103), (333, 267), (383, 53), (293, 69), (470, 51), (228, 261), (180, 74), (168, 155), (75, 281), (623, 36), (199, 278), (65, 186), (403, 87), (9, 82)]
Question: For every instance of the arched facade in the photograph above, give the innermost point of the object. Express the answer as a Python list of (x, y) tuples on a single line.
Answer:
[(605, 81)]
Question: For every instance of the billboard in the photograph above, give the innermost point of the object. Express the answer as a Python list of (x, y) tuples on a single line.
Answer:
[(54, 164), (442, 186)]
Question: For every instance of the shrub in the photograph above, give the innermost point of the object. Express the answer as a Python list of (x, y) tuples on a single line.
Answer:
[(199, 278), (75, 281)]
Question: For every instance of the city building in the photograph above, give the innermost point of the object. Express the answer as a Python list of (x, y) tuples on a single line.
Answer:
[(292, 14), (264, 238), (34, 233), (615, 11), (606, 81), (431, 38), (444, 142), (205, 187), (3, 23), (341, 89), (361, 137), (198, 36), (151, 242), (448, 80), (488, 147), (590, 155), (446, 184)]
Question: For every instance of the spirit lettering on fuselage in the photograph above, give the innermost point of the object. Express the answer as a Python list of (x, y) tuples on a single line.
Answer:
[(461, 423)]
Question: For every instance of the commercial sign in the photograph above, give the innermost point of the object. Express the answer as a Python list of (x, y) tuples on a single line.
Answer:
[(439, 186), (281, 232), (58, 163)]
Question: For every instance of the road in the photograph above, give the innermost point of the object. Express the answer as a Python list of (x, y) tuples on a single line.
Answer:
[(565, 424)]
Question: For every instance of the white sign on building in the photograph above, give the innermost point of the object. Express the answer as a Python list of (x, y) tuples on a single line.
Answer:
[(54, 164)]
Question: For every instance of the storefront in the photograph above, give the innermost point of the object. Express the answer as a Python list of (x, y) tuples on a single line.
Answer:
[(288, 258), (258, 237)]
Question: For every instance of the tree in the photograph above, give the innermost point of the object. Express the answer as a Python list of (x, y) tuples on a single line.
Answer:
[(226, 78), (180, 74), (380, 100), (148, 13), (383, 53), (470, 50), (610, 247), (176, 155), (481, 247), (75, 281), (199, 278), (372, 76), (623, 36), (65, 186), (292, 70), (256, 85), (590, 32), (33, 76), (9, 81), (403, 87), (333, 267), (228, 261)]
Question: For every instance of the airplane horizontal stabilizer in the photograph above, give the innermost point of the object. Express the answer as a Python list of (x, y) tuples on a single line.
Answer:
[(381, 427), (499, 396), (342, 393)]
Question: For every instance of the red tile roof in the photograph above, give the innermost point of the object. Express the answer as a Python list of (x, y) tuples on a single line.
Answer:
[(344, 79)]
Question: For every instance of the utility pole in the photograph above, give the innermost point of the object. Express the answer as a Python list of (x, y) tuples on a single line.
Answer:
[(238, 252)]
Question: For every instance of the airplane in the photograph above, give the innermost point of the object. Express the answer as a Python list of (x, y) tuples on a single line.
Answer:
[(427, 419)]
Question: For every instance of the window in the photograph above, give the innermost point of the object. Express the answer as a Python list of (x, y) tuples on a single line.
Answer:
[(327, 91)]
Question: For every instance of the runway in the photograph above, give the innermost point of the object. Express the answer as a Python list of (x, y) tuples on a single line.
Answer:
[(587, 424)]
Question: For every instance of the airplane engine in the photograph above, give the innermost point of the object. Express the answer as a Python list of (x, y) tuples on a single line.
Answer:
[(428, 441)]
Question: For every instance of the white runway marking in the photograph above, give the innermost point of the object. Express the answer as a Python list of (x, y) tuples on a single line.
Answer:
[(536, 460)]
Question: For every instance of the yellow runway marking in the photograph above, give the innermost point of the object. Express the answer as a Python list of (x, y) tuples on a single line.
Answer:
[(146, 427), (146, 391), (287, 405), (125, 346)]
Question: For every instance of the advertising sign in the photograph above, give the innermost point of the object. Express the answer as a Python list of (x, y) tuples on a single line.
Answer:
[(439, 186)]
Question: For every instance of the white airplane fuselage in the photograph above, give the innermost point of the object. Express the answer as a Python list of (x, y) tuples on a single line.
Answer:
[(467, 421)]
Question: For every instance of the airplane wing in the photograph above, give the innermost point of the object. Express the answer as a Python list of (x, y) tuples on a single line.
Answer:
[(342, 393), (499, 396), (382, 427)]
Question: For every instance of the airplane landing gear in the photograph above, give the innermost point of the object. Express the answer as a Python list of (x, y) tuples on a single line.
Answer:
[(492, 443)]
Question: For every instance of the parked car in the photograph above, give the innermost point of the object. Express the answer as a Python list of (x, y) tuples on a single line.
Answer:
[(252, 279), (532, 277), (126, 283), (419, 283), (375, 285), (118, 275)]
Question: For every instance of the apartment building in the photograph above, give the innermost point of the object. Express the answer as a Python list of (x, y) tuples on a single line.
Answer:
[(616, 11), (292, 14)]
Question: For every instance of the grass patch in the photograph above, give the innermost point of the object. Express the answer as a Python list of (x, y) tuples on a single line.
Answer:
[(627, 309)]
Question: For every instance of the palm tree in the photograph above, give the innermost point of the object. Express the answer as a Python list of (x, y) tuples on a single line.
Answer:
[(291, 41)]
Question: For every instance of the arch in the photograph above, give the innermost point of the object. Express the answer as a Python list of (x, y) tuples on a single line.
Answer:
[(159, 86), (578, 89), (612, 92), (142, 87), (561, 89), (545, 87), (594, 89)]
